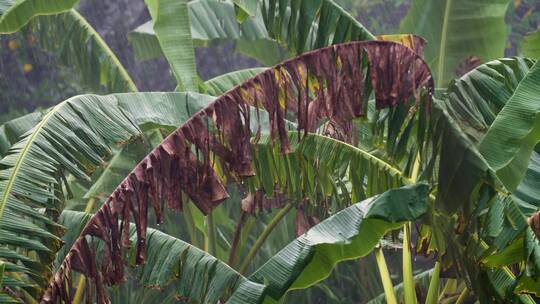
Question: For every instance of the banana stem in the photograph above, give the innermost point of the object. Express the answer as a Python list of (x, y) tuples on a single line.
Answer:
[(408, 278), (78, 298), (190, 223), (82, 279), (236, 239), (264, 235), (449, 287), (385, 277), (463, 296), (433, 291), (211, 234)]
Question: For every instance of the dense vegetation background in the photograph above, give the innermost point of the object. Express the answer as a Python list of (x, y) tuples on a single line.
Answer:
[(37, 81)]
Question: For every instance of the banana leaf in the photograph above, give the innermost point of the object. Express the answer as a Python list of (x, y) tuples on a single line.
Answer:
[(460, 33)]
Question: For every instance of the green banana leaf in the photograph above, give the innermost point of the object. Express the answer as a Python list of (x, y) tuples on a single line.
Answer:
[(471, 107), (475, 99), (72, 137), (172, 27), (303, 25), (221, 84), (509, 141), (456, 31), (63, 30), (77, 44), (322, 167), (246, 8), (532, 254), (320, 23), (527, 194), (164, 113), (175, 267), (11, 131), (214, 21), (14, 14), (502, 281)]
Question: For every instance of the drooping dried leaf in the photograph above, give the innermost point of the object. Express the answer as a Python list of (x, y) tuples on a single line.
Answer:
[(326, 85), (469, 64), (259, 202), (304, 222), (534, 222)]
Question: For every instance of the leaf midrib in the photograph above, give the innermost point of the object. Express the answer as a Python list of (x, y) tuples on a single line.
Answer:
[(442, 48), (370, 157), (105, 47), (24, 152)]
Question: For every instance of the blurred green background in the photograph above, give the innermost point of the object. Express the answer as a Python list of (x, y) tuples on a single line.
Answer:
[(40, 81)]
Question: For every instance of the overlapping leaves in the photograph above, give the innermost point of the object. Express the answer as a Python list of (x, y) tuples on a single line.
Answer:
[(297, 26), (281, 89), (34, 169), (197, 277), (74, 138), (472, 107)]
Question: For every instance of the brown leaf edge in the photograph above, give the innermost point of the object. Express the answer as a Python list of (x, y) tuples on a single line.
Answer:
[(328, 83)]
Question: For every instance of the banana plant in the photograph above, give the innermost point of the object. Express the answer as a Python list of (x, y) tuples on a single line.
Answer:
[(476, 104), (87, 34), (375, 76), (481, 208), (350, 233)]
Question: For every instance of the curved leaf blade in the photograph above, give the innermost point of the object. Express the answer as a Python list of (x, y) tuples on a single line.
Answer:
[(177, 267), (78, 44), (304, 25), (14, 14), (223, 83), (172, 27), (351, 233), (72, 138), (509, 141), (475, 99)]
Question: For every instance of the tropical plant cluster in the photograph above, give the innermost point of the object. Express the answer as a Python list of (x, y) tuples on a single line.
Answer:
[(351, 167)]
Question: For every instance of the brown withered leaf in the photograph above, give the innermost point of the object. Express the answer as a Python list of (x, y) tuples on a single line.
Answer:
[(304, 222), (469, 64), (534, 222), (325, 85), (259, 202)]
